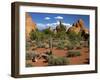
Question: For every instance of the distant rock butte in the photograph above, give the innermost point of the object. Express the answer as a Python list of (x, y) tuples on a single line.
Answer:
[(78, 27), (30, 25)]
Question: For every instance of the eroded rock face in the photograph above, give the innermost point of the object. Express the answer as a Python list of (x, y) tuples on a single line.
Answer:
[(78, 27), (81, 23), (30, 25)]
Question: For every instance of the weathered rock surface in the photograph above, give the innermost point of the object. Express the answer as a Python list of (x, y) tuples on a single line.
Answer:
[(30, 25), (78, 27)]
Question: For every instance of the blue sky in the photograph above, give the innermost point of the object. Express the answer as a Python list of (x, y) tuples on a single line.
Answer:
[(43, 20)]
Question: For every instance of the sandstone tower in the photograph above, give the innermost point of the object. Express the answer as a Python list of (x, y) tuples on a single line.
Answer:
[(30, 25)]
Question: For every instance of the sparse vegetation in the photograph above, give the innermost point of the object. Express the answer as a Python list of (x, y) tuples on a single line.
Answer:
[(70, 46), (29, 65), (60, 46), (29, 56), (73, 53), (74, 38), (65, 44), (54, 60), (27, 45)]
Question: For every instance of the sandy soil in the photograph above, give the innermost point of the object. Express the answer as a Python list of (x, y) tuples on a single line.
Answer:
[(83, 59)]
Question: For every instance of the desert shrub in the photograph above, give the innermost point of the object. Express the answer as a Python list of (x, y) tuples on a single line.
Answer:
[(47, 31), (61, 35), (29, 56), (29, 65), (54, 61), (74, 38), (78, 46), (36, 35), (70, 47), (62, 61), (51, 60), (60, 46), (41, 44), (49, 52), (28, 45), (55, 43), (48, 58), (33, 35), (73, 53)]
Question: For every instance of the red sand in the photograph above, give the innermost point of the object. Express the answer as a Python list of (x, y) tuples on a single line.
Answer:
[(83, 59)]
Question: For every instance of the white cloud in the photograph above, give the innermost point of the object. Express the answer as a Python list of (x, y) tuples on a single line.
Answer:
[(52, 25), (58, 17), (48, 24), (67, 24), (47, 18), (41, 26)]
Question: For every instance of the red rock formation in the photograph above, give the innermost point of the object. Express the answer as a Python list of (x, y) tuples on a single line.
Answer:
[(78, 27), (81, 23), (30, 25)]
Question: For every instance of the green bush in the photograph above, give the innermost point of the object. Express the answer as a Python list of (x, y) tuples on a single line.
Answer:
[(54, 43), (60, 46), (49, 52), (74, 38), (61, 35), (70, 47), (62, 61), (28, 45), (73, 53), (29, 56), (50, 59), (40, 44), (54, 61), (36, 35), (29, 65), (48, 31)]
